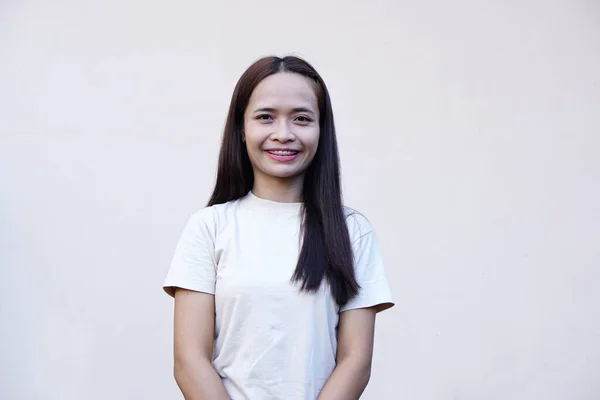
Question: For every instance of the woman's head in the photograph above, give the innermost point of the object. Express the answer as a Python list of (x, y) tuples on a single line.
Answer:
[(280, 127), (277, 104)]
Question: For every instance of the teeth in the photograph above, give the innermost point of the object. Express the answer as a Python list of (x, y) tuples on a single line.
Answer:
[(283, 153)]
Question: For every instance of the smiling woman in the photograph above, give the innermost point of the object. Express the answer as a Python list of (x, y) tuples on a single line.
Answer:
[(276, 283)]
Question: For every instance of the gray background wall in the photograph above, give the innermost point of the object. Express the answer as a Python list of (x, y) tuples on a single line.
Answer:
[(469, 134)]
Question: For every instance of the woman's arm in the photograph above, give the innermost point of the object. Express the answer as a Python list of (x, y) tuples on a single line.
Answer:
[(194, 336), (354, 354)]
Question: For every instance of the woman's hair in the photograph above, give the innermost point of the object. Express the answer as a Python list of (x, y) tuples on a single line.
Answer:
[(326, 251)]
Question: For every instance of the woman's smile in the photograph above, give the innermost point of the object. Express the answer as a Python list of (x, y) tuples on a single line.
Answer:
[(282, 155)]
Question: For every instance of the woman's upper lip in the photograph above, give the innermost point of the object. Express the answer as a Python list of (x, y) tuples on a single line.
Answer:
[(282, 149)]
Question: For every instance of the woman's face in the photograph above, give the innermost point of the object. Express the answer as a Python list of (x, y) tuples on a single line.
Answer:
[(281, 127)]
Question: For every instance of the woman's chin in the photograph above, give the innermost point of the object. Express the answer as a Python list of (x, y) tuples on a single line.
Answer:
[(282, 174)]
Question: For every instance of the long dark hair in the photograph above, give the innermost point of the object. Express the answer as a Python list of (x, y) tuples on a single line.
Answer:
[(326, 249)]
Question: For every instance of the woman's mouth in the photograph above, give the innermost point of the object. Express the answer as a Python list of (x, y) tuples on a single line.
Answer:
[(282, 155)]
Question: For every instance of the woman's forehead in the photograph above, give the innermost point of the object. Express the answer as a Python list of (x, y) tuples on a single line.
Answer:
[(284, 90)]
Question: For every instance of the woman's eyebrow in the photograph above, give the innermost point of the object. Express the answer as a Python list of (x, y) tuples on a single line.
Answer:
[(294, 110), (303, 109), (264, 109)]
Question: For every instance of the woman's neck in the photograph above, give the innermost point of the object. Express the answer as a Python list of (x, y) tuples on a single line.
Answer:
[(280, 190)]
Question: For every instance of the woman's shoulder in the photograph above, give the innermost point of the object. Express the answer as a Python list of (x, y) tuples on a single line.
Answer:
[(204, 214), (358, 224), (214, 215)]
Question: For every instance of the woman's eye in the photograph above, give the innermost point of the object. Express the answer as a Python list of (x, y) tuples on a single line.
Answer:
[(263, 117), (302, 118)]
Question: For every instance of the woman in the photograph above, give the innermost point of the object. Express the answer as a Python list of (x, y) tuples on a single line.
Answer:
[(276, 284)]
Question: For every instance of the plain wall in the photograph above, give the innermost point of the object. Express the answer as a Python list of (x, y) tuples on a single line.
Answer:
[(469, 134)]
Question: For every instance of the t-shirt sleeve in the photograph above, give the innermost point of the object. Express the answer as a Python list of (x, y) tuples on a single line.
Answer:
[(193, 266), (370, 272)]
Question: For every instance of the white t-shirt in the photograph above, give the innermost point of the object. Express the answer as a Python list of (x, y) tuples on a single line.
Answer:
[(272, 341)]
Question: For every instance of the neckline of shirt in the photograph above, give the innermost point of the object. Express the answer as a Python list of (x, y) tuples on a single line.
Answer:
[(269, 205)]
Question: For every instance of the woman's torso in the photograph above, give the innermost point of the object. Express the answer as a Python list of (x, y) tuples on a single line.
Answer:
[(272, 341)]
